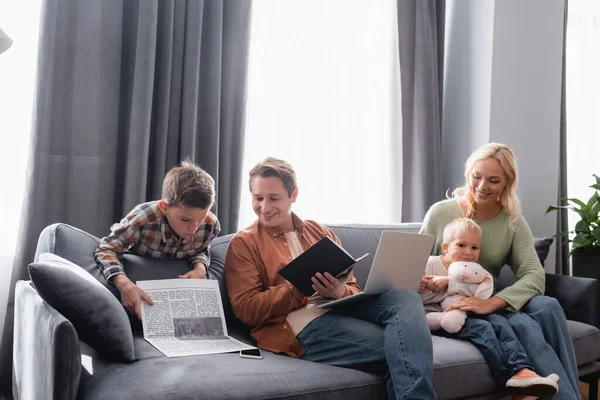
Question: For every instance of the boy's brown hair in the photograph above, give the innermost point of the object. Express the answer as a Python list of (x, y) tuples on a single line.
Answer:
[(188, 185), (453, 228), (272, 166)]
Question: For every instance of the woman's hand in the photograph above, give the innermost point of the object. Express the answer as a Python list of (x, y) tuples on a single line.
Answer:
[(478, 306), (328, 285), (438, 283)]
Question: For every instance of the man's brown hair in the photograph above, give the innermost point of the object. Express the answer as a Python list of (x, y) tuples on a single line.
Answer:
[(188, 185), (272, 166)]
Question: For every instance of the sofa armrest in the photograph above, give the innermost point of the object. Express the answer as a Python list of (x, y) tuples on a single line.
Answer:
[(577, 296), (46, 352)]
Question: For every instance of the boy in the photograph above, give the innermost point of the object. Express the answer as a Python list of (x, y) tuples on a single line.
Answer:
[(491, 333), (178, 226)]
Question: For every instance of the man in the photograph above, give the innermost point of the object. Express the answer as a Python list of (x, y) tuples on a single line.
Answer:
[(387, 334)]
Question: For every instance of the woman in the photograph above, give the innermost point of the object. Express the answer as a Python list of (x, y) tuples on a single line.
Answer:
[(489, 198)]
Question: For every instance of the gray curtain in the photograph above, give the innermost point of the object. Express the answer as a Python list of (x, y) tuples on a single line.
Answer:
[(421, 48), (125, 90), (562, 222)]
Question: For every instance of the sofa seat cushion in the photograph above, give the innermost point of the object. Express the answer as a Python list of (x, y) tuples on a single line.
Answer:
[(454, 358), (220, 376), (155, 376), (586, 340), (460, 371)]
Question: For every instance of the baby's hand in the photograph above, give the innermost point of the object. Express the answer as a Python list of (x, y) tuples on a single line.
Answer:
[(424, 283), (438, 283)]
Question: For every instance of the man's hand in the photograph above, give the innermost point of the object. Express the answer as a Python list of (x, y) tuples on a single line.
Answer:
[(438, 283), (328, 285), (131, 295), (479, 306), (199, 272)]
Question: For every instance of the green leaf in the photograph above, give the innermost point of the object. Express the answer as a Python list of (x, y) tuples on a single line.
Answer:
[(577, 201), (582, 214), (562, 234), (554, 208), (581, 227), (582, 241), (587, 230), (595, 210)]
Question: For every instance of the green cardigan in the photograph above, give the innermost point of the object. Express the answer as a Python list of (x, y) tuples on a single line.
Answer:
[(501, 244)]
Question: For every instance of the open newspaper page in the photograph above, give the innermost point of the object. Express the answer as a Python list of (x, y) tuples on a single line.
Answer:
[(187, 318)]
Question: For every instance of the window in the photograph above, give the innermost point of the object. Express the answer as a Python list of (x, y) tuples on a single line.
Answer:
[(19, 20), (583, 98), (323, 94)]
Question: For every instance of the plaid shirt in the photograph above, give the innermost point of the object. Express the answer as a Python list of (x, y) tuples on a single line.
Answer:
[(145, 231)]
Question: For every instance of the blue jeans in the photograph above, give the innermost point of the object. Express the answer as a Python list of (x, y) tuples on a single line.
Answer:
[(541, 327), (495, 338), (387, 334)]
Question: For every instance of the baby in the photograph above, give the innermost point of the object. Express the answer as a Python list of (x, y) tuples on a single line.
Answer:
[(505, 355)]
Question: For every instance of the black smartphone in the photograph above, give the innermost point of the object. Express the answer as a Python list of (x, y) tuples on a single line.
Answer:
[(253, 353)]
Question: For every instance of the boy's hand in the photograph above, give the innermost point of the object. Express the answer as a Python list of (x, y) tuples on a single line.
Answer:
[(424, 283), (131, 295), (199, 272), (329, 286), (438, 283)]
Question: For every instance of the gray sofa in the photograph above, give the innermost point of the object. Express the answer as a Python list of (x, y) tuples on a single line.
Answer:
[(50, 362)]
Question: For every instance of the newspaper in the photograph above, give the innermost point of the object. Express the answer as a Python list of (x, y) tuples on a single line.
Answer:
[(187, 318)]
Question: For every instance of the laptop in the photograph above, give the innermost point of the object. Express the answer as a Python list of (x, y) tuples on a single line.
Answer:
[(399, 263)]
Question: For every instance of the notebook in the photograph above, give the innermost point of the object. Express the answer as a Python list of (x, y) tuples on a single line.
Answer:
[(323, 256)]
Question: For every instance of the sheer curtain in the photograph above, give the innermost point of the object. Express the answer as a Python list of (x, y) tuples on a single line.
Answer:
[(20, 20), (323, 85), (583, 98)]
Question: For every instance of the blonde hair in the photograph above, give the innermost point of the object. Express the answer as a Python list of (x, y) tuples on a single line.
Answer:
[(458, 226), (508, 198)]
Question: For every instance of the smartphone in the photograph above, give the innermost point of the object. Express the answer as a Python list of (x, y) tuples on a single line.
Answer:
[(253, 353)]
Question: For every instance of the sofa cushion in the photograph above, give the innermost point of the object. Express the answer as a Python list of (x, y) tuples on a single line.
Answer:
[(155, 376), (218, 251), (459, 369), (223, 376), (586, 340), (542, 247), (96, 314), (74, 245)]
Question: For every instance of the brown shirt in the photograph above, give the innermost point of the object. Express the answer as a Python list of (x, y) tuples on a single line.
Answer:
[(260, 297)]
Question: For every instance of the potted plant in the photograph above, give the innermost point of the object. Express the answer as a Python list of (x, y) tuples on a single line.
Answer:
[(585, 238)]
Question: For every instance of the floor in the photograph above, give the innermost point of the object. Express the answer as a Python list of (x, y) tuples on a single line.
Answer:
[(583, 388)]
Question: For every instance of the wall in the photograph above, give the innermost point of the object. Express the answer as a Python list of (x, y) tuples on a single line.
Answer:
[(504, 85)]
